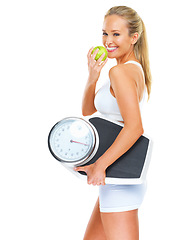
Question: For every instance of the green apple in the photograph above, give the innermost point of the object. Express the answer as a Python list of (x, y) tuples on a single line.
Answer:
[(100, 52)]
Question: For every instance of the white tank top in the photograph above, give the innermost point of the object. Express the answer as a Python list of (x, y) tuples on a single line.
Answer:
[(106, 104)]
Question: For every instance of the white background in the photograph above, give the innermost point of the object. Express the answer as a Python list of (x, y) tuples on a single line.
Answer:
[(43, 68)]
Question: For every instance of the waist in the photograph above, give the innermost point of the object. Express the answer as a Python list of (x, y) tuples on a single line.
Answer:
[(113, 117)]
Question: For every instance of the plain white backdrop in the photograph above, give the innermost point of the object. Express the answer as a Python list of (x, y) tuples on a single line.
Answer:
[(43, 71)]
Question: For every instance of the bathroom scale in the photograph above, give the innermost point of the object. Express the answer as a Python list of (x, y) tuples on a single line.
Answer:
[(76, 141)]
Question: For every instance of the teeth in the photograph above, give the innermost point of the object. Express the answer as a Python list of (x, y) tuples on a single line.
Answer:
[(111, 48)]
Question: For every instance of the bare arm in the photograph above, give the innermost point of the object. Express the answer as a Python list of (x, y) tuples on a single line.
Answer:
[(125, 90), (88, 107), (94, 67)]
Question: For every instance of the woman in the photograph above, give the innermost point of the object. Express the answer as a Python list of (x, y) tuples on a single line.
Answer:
[(115, 215)]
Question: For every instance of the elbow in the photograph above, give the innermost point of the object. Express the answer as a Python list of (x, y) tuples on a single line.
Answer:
[(84, 113), (136, 130), (136, 127), (87, 113), (139, 130)]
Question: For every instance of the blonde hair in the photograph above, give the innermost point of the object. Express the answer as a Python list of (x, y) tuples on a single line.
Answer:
[(136, 25)]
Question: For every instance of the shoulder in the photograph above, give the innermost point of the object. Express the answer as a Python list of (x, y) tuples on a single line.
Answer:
[(118, 69), (122, 74)]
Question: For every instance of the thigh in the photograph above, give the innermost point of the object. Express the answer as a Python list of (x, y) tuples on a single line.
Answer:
[(120, 198), (121, 225), (95, 230)]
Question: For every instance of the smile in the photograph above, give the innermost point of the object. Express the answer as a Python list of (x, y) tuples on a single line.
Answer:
[(111, 49)]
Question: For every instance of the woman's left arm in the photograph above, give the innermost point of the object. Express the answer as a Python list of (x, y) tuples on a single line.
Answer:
[(125, 90)]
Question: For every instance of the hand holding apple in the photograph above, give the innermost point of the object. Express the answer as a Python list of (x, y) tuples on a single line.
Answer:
[(95, 66), (100, 52)]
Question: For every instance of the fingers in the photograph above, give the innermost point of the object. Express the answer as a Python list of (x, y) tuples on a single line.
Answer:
[(94, 177), (95, 182), (80, 169), (89, 55), (104, 62), (92, 56), (101, 63), (90, 51), (90, 180), (100, 59)]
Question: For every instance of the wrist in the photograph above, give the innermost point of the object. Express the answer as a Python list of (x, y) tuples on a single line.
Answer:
[(101, 164), (92, 80), (91, 83)]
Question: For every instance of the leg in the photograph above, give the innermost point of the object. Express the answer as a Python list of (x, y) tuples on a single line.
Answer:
[(121, 225), (95, 229)]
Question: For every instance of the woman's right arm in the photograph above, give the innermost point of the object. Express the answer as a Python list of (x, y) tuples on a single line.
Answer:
[(94, 68), (88, 107)]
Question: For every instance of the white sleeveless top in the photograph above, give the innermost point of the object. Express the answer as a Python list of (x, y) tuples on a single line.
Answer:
[(106, 104)]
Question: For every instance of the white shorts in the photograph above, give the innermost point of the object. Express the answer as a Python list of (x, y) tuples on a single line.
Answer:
[(121, 198)]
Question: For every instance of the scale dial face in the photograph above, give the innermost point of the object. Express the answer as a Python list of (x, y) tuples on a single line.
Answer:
[(72, 140)]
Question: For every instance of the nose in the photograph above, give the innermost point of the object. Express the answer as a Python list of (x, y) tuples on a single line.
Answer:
[(108, 41)]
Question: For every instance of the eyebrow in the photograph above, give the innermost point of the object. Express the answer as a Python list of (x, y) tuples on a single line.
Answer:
[(112, 30)]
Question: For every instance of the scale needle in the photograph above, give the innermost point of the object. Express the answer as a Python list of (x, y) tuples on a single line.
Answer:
[(72, 141)]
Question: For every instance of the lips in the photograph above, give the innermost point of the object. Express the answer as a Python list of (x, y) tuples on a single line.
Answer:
[(111, 49)]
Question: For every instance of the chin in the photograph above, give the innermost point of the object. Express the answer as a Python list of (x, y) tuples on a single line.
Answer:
[(111, 56)]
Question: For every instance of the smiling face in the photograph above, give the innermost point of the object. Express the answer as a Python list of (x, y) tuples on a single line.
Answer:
[(116, 38)]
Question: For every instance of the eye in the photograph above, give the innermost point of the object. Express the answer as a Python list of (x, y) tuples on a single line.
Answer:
[(104, 34), (116, 34)]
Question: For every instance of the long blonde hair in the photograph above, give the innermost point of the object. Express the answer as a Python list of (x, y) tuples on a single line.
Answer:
[(136, 25)]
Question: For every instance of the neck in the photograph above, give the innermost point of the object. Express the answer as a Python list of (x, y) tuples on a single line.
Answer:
[(130, 56)]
